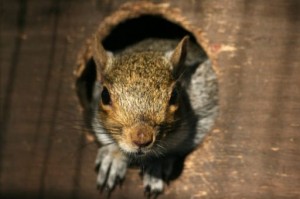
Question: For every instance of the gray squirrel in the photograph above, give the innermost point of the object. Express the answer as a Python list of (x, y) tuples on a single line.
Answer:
[(153, 102)]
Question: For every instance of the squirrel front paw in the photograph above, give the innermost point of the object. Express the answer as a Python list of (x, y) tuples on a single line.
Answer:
[(111, 166), (155, 174), (153, 185)]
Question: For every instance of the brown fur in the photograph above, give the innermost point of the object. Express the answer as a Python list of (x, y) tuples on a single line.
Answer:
[(140, 96), (140, 85)]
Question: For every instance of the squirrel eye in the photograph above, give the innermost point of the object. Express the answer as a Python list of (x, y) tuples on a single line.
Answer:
[(173, 98), (105, 97)]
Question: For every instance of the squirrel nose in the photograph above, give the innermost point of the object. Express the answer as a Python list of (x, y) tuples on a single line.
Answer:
[(142, 139)]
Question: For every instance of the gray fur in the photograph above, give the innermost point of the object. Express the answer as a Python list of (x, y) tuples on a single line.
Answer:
[(199, 110)]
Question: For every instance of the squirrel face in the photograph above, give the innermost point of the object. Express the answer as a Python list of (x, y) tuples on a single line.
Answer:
[(139, 97)]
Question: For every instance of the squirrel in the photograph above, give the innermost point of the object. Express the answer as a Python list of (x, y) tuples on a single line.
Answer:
[(153, 102)]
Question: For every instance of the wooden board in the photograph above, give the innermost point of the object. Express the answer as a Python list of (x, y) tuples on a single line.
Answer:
[(252, 152)]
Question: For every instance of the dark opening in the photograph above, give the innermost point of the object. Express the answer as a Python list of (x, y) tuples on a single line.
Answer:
[(138, 29), (85, 83)]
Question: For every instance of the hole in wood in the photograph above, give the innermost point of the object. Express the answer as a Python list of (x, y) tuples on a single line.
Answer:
[(138, 29), (197, 87)]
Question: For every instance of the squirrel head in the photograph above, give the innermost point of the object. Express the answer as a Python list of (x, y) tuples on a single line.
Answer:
[(140, 96)]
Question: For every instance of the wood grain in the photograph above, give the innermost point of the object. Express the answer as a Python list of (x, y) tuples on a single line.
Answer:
[(252, 152)]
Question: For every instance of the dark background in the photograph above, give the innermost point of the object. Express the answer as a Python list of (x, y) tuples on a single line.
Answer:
[(253, 151)]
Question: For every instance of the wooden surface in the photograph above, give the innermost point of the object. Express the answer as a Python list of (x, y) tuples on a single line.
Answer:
[(253, 151)]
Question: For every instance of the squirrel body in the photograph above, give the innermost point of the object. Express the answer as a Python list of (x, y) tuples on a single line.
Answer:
[(153, 102)]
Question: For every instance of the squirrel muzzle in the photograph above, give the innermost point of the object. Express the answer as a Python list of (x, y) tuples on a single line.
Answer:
[(140, 136)]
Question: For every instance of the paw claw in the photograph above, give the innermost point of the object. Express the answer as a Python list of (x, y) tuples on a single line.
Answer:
[(147, 189), (151, 193), (100, 188), (119, 181), (147, 192)]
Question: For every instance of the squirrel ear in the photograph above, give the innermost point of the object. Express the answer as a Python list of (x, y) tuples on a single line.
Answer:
[(101, 57), (178, 56)]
